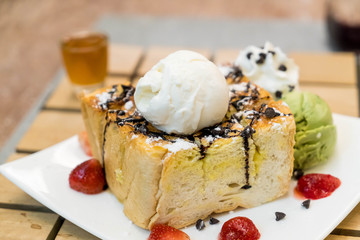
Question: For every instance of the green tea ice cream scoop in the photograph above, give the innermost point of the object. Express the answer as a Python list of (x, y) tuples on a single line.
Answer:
[(315, 136)]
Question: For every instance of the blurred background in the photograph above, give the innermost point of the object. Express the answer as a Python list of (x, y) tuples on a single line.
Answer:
[(30, 31)]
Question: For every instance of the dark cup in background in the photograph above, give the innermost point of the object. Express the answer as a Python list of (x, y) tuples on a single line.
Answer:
[(343, 23)]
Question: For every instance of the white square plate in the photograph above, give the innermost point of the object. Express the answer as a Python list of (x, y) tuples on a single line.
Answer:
[(44, 176)]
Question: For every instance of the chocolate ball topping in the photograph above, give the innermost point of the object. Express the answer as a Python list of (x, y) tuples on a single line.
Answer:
[(248, 55), (262, 57), (278, 94), (282, 67), (270, 113), (200, 225)]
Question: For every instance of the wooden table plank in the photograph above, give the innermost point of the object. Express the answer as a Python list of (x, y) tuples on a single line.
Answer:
[(112, 80), (227, 55), (49, 128), (16, 224), (124, 58), (352, 221), (69, 231), (339, 237), (10, 193), (135, 81), (16, 156), (326, 67), (156, 53), (343, 100), (64, 98)]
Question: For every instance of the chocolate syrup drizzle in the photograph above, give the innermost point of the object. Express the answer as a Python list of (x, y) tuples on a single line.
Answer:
[(104, 140), (237, 104), (126, 93), (235, 74)]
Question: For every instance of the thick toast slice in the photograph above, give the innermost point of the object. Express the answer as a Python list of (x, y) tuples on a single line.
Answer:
[(244, 161)]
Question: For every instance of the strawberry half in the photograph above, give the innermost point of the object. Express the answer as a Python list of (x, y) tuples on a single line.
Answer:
[(164, 232), (84, 143), (239, 228), (88, 177)]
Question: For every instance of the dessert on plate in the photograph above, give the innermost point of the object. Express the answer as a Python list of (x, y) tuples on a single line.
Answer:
[(186, 144)]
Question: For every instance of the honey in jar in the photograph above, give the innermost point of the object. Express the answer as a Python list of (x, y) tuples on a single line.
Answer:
[(85, 59)]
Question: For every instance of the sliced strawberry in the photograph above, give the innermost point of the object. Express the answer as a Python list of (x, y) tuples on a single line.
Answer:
[(84, 143), (88, 177), (239, 228), (164, 232), (317, 185)]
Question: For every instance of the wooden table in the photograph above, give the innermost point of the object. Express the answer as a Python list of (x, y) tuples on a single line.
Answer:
[(332, 76)]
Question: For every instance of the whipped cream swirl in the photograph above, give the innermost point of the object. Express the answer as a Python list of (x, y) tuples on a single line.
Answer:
[(270, 68)]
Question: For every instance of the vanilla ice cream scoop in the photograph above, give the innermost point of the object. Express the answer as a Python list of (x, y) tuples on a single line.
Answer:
[(183, 93), (270, 68)]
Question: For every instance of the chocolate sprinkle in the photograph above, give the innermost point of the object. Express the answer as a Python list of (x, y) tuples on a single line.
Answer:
[(249, 55), (247, 87), (272, 52), (306, 204), (113, 89), (141, 128), (262, 57), (200, 225), (218, 131), (282, 67), (203, 151), (246, 186), (235, 74), (279, 216), (121, 113), (213, 221), (247, 132), (298, 173), (291, 88), (278, 94)]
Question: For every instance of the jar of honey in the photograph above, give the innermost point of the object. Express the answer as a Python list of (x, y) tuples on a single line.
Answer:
[(85, 56)]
